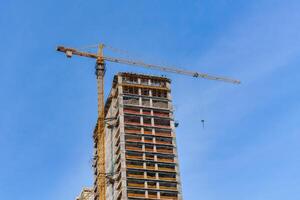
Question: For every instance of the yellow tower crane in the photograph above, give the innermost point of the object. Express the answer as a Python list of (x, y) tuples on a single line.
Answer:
[(99, 136)]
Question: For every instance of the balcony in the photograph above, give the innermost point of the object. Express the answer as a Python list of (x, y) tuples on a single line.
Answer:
[(165, 142), (129, 80), (164, 134), (131, 111), (161, 114), (167, 178), (169, 195), (131, 101), (146, 102), (148, 140), (134, 157), (133, 123), (164, 187), (136, 194), (132, 120), (135, 166), (149, 149), (152, 196), (144, 81), (146, 112), (147, 124), (147, 132), (160, 104), (150, 167), (134, 148), (130, 90), (132, 130), (158, 83), (135, 184), (167, 169), (151, 177), (165, 197), (167, 160), (169, 151), (151, 185), (149, 157), (133, 140), (129, 175)]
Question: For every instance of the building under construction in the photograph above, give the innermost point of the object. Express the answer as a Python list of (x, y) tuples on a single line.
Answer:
[(135, 147), (141, 159)]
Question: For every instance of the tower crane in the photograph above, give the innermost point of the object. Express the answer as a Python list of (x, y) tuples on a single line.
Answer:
[(99, 136)]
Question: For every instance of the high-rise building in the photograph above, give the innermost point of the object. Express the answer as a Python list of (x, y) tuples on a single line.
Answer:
[(140, 147)]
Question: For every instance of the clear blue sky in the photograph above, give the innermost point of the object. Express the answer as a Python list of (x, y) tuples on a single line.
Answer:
[(249, 148)]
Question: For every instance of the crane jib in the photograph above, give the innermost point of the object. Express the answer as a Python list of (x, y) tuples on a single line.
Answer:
[(72, 51)]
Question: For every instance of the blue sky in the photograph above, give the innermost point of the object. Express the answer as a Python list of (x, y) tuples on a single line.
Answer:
[(249, 147)]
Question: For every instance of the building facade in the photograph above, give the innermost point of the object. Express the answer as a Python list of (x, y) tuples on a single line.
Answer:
[(141, 154)]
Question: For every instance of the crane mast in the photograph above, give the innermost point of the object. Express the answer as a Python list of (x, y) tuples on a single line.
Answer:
[(99, 134)]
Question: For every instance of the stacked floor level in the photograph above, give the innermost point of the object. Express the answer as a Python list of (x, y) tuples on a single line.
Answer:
[(141, 155)]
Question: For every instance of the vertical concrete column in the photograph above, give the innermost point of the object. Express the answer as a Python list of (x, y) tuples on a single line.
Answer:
[(151, 103), (141, 111), (140, 101), (156, 176), (152, 121), (144, 156), (158, 195), (169, 97), (141, 120), (143, 147), (142, 130), (122, 141), (143, 139), (144, 165), (147, 194), (150, 96)]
